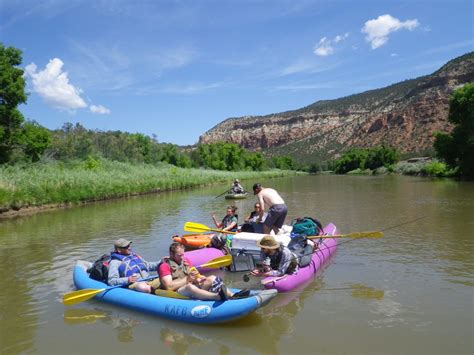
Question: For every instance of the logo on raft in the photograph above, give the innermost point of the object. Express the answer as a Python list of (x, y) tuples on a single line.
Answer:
[(201, 311)]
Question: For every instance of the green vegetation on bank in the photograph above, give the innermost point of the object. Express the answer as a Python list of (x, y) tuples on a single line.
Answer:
[(457, 148), (368, 158), (78, 181)]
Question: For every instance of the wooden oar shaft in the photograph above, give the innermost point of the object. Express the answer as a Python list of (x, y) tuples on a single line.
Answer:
[(350, 235)]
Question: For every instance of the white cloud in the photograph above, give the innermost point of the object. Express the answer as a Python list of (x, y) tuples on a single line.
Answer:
[(378, 29), (99, 109), (52, 84), (325, 46)]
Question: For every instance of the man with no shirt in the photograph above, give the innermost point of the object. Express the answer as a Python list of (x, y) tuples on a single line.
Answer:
[(277, 209)]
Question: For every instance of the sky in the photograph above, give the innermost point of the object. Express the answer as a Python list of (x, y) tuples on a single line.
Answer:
[(175, 69)]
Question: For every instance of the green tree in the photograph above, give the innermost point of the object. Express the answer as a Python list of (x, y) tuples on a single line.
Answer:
[(35, 139), (12, 94), (457, 148), (380, 156), (353, 159)]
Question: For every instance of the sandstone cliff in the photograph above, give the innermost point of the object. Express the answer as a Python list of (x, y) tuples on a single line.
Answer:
[(403, 115)]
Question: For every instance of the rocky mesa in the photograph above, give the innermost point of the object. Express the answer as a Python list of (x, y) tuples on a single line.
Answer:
[(403, 115)]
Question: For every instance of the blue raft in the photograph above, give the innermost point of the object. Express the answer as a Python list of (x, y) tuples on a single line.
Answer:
[(190, 311)]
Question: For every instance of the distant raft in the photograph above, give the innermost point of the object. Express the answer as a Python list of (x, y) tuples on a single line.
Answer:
[(236, 196), (184, 310)]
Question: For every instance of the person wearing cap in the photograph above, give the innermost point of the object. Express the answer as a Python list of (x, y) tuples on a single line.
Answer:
[(277, 259), (177, 274), (237, 188), (277, 208), (126, 268)]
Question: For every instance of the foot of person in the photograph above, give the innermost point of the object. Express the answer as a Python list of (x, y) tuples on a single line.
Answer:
[(241, 294)]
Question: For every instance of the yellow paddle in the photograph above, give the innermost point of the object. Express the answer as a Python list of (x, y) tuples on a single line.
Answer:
[(350, 235), (83, 295), (198, 227)]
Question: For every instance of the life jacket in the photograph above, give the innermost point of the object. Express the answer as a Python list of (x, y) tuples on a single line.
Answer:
[(178, 271), (275, 261), (227, 220), (131, 264)]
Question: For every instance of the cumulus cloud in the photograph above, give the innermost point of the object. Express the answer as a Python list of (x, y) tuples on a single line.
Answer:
[(99, 109), (325, 46), (52, 84), (377, 30)]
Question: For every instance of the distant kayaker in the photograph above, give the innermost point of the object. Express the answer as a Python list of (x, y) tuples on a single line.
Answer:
[(177, 274), (127, 267), (237, 188), (277, 209), (277, 260)]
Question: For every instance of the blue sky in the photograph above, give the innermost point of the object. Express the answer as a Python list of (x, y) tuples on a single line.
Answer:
[(177, 68)]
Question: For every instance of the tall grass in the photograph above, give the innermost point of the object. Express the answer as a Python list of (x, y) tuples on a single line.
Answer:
[(79, 181)]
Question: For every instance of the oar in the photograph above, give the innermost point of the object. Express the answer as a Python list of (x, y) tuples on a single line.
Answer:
[(198, 227), (350, 235), (83, 295), (226, 191)]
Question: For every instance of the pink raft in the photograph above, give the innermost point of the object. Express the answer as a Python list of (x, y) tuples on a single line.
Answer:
[(285, 283), (327, 247), (201, 256)]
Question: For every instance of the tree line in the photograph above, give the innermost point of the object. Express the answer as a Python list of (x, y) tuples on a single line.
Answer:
[(28, 141)]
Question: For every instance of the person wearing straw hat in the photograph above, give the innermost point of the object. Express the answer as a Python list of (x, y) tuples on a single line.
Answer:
[(277, 259)]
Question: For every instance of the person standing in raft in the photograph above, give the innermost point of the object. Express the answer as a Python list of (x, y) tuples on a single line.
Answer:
[(127, 267), (277, 260), (177, 274), (277, 209)]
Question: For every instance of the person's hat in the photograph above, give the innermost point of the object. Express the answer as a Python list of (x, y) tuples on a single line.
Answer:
[(268, 242), (122, 243), (236, 180), (256, 187)]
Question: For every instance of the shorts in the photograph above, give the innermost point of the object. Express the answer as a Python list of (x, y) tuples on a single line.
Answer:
[(276, 216), (154, 284)]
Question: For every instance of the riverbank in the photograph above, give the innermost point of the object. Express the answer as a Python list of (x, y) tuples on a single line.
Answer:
[(26, 189)]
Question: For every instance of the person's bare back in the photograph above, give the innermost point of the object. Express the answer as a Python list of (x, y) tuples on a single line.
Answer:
[(269, 197)]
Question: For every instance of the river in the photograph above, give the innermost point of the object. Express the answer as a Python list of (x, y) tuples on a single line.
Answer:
[(410, 292)]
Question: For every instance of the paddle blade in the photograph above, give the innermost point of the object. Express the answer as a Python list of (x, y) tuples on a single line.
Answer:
[(199, 228), (170, 294), (79, 296), (195, 227), (221, 261)]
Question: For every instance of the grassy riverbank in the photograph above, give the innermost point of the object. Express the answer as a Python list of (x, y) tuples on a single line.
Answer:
[(59, 183)]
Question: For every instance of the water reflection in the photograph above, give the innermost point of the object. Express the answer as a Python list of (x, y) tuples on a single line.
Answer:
[(432, 256)]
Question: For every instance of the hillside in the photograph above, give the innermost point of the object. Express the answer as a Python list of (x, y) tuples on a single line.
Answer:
[(402, 115)]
